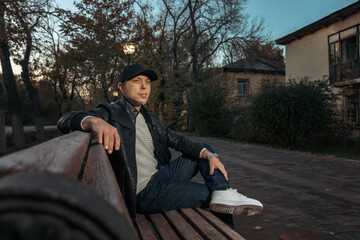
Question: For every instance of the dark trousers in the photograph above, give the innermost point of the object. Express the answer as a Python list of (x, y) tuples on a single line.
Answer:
[(171, 188)]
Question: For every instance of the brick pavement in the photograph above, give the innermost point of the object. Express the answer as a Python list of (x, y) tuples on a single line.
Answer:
[(305, 196)]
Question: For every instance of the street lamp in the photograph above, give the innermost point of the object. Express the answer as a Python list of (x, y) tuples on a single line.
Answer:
[(129, 49), (115, 94)]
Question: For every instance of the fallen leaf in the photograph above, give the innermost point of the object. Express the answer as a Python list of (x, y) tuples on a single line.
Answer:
[(332, 233), (257, 227), (284, 237), (267, 220)]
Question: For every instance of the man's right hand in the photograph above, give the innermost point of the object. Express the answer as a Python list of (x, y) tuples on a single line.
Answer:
[(107, 134)]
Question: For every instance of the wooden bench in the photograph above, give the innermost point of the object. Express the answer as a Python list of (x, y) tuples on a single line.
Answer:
[(66, 187)]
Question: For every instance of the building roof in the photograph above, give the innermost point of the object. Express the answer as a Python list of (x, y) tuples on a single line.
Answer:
[(256, 65), (322, 23)]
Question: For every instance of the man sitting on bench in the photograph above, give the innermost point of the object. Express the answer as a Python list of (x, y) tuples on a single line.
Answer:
[(137, 143)]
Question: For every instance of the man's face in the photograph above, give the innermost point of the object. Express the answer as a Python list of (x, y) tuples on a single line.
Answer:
[(136, 90)]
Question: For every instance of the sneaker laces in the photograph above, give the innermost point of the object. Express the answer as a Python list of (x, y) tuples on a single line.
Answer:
[(239, 194)]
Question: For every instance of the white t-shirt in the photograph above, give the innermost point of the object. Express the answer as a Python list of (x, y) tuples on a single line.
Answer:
[(144, 153)]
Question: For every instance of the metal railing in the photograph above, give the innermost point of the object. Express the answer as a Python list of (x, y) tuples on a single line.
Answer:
[(344, 71)]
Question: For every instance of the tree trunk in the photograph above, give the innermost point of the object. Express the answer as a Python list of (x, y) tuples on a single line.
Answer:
[(33, 93), (194, 54), (63, 91), (194, 42), (73, 84), (2, 121), (18, 134), (14, 103), (56, 99), (105, 88)]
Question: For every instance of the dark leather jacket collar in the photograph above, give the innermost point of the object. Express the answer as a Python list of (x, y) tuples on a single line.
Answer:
[(130, 109), (124, 113)]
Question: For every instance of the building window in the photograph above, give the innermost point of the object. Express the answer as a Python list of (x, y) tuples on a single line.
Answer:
[(334, 53), (344, 55), (243, 87), (348, 47)]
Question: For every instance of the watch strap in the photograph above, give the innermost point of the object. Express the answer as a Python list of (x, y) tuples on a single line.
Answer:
[(212, 156)]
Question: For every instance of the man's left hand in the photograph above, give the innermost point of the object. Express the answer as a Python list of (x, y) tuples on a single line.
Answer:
[(215, 163)]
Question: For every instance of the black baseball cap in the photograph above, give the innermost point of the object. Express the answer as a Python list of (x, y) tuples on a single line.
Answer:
[(133, 70)]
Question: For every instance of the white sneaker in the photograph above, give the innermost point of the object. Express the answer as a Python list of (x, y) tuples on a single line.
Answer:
[(231, 202)]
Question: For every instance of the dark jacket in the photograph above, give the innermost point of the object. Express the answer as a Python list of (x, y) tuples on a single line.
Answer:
[(122, 115)]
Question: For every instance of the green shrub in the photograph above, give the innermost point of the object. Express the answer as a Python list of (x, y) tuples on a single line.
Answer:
[(207, 109), (240, 128), (292, 114)]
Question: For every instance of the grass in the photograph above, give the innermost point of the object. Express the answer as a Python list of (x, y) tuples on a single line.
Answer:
[(30, 139), (351, 151)]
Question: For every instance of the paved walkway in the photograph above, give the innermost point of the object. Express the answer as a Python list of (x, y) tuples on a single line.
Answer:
[(305, 196)]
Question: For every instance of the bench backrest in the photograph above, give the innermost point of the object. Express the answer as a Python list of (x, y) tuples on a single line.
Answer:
[(69, 162), (73, 155)]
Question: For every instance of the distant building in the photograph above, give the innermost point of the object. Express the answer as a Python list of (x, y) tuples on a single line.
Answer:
[(247, 76), (328, 47)]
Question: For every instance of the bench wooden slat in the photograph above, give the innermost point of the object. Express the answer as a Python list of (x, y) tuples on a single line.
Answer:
[(219, 225), (99, 176), (67, 155), (163, 227), (201, 225), (182, 226), (63, 154), (146, 231)]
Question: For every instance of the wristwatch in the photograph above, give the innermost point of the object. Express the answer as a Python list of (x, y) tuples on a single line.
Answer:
[(212, 156)]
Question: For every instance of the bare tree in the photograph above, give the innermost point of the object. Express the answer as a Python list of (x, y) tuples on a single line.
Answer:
[(22, 19), (14, 103), (253, 49), (178, 26), (28, 28), (216, 23), (60, 68)]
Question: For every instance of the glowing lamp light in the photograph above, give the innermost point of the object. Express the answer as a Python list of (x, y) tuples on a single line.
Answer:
[(129, 48)]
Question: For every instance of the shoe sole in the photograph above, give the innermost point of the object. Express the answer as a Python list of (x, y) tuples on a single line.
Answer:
[(243, 210)]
